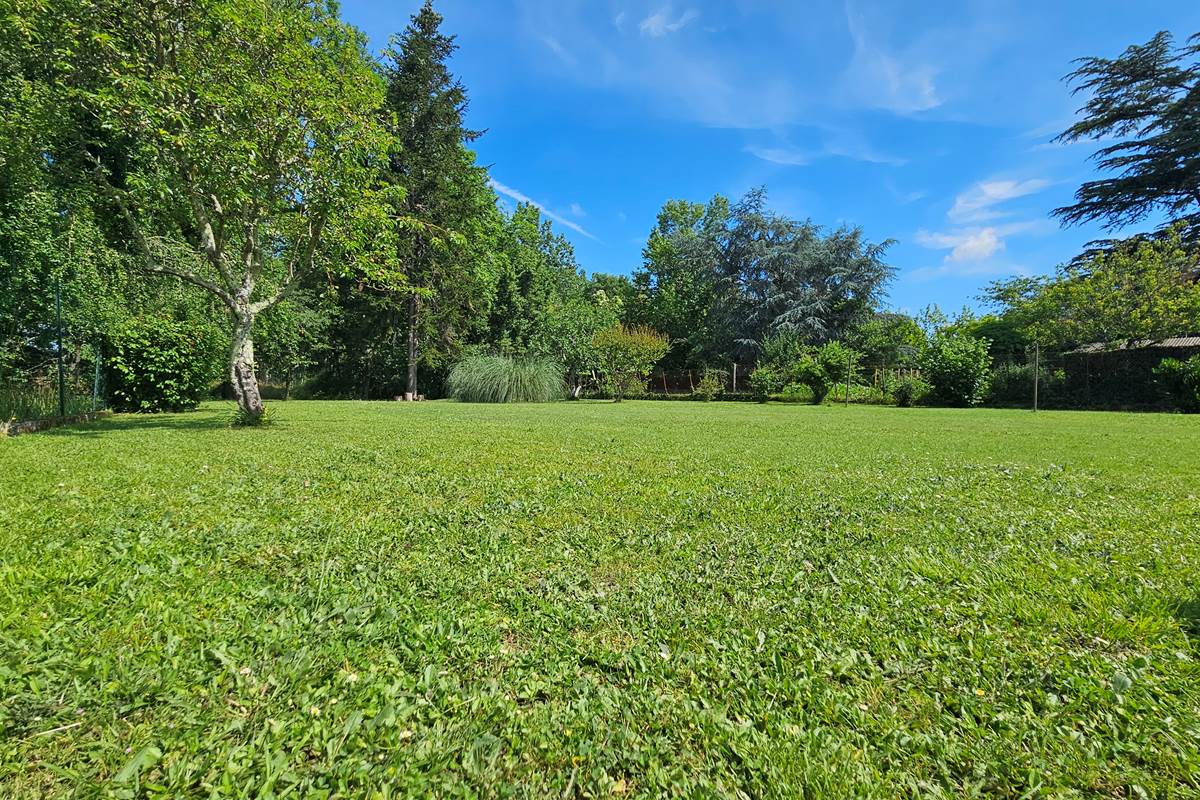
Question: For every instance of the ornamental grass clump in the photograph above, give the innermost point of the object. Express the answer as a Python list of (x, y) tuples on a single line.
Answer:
[(499, 379)]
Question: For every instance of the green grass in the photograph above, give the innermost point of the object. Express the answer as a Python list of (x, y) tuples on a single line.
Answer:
[(589, 599)]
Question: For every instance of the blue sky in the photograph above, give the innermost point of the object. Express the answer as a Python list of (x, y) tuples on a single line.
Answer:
[(929, 123)]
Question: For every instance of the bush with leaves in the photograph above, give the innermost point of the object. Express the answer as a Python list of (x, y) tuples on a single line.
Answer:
[(1181, 379), (786, 360), (711, 385), (908, 390), (627, 354), (155, 364), (499, 379), (958, 368)]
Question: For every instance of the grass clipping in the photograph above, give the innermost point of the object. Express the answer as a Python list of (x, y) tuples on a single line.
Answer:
[(498, 379)]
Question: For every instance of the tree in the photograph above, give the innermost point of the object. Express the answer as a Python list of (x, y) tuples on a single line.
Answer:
[(1140, 291), (443, 188), (724, 277), (566, 333), (249, 131), (957, 367), (1149, 99), (887, 339), (627, 354)]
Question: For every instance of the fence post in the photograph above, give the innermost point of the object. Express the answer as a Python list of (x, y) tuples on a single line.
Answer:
[(62, 394), (96, 382), (849, 368), (1037, 351)]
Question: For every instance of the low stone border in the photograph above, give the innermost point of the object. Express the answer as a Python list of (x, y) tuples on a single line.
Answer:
[(35, 425)]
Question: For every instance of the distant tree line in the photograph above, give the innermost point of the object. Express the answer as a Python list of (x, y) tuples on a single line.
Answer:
[(238, 191)]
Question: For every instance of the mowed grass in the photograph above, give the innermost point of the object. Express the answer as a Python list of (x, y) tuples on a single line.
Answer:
[(598, 600)]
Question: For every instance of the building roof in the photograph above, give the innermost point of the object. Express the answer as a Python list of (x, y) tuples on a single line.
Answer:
[(1173, 343)]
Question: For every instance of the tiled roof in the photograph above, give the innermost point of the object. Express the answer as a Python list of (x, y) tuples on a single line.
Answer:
[(1172, 342)]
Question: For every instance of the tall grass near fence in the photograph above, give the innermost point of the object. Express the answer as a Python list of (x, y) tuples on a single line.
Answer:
[(497, 379), (38, 400)]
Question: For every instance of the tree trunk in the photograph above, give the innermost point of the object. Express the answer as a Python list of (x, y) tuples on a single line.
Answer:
[(414, 310), (241, 366)]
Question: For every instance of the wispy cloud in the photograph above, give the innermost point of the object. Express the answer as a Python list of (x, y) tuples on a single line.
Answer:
[(557, 48), (971, 249), (974, 245), (520, 197), (978, 203), (837, 144), (884, 79), (577, 210), (968, 270), (660, 23)]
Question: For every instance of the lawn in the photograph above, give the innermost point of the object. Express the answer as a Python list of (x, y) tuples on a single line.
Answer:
[(598, 600)]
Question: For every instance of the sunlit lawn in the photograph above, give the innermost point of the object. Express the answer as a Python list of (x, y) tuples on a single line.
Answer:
[(594, 600)]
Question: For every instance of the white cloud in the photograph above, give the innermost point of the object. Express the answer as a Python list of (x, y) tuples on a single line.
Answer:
[(977, 203), (784, 156), (556, 47), (974, 245), (659, 24), (577, 210), (619, 21), (508, 191), (884, 79)]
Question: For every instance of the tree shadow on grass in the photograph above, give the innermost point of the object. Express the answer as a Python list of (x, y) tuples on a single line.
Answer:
[(191, 421), (1188, 614)]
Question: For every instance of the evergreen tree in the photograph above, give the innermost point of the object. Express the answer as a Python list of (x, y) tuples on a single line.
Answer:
[(445, 193), (1149, 100)]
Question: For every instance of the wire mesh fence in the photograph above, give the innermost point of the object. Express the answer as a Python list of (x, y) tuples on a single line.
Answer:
[(50, 375)]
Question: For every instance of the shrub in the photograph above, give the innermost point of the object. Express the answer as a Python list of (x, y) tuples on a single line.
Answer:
[(1181, 380), (627, 356), (711, 385), (765, 381), (795, 393), (957, 367), (787, 360), (908, 390), (498, 379), (154, 364)]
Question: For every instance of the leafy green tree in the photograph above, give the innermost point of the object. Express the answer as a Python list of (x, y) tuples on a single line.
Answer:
[(566, 333), (724, 277), (249, 129), (1148, 100), (957, 368), (887, 339), (627, 354), (445, 193), (537, 273), (1141, 291)]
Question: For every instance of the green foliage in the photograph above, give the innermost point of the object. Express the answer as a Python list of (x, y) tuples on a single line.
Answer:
[(627, 354), (711, 385), (888, 340), (957, 367), (500, 379), (908, 390), (1012, 384), (721, 278), (766, 380), (1143, 291), (1181, 379), (786, 359), (1145, 100), (154, 364), (454, 600)]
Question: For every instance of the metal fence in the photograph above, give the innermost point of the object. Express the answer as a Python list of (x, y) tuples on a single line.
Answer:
[(49, 378)]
